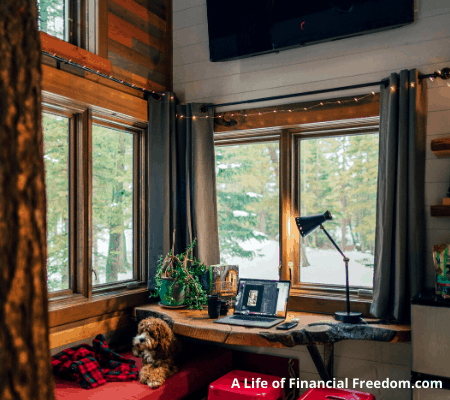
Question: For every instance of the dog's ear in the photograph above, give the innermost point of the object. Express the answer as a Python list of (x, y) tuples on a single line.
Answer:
[(165, 338)]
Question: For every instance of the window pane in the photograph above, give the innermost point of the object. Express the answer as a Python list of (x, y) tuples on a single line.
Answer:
[(112, 205), (53, 17), (339, 174), (56, 134), (248, 211)]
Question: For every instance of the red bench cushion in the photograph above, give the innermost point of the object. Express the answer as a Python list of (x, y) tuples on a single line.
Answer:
[(195, 373)]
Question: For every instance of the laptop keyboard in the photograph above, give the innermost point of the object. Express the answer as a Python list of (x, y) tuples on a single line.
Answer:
[(252, 318)]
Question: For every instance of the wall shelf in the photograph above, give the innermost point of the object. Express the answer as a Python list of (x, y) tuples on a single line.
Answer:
[(441, 147), (440, 211)]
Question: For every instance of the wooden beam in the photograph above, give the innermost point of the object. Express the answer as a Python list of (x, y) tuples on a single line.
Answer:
[(282, 118), (68, 51), (92, 93)]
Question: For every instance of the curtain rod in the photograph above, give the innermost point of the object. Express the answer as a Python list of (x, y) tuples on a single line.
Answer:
[(443, 74)]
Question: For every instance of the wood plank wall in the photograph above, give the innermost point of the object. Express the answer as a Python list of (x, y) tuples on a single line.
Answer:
[(140, 42)]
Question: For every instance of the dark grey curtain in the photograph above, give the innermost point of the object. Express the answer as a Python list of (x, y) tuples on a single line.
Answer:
[(182, 182), (400, 231)]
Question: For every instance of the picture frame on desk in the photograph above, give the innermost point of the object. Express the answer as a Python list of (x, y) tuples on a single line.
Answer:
[(223, 281)]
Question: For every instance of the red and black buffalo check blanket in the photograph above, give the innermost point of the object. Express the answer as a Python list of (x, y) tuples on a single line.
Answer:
[(92, 366)]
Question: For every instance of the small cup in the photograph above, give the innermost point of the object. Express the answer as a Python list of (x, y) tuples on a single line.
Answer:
[(224, 307), (214, 304)]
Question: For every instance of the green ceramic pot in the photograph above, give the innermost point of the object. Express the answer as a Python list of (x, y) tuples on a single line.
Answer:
[(178, 293)]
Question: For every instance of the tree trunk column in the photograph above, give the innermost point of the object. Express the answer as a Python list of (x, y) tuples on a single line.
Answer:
[(25, 371)]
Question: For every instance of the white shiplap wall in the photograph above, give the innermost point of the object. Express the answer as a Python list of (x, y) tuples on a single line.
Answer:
[(424, 45)]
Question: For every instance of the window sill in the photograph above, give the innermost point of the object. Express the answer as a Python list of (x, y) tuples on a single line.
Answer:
[(327, 303), (77, 307)]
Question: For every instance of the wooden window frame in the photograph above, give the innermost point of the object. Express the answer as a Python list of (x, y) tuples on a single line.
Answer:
[(87, 26), (246, 137), (83, 300), (310, 296), (234, 127)]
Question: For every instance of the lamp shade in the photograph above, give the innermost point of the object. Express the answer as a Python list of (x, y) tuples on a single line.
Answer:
[(306, 225)]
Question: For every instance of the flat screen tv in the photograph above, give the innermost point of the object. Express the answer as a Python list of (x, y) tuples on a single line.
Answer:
[(243, 28)]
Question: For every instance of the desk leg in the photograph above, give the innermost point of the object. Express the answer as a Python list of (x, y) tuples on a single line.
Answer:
[(324, 365)]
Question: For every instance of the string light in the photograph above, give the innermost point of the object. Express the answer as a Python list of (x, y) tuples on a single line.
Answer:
[(322, 103), (431, 79)]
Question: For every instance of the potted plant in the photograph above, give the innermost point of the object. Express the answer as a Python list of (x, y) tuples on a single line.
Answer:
[(178, 279)]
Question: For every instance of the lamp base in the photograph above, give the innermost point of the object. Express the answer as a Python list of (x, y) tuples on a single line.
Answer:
[(348, 318)]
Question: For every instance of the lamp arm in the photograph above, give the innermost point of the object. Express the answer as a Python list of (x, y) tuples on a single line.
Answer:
[(346, 260), (334, 243)]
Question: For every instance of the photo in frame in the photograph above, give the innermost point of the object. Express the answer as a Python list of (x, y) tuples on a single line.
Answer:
[(223, 281)]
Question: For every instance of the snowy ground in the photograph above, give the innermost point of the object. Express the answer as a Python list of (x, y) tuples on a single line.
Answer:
[(327, 266)]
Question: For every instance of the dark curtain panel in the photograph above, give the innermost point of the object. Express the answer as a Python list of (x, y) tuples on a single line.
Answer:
[(400, 231), (182, 182)]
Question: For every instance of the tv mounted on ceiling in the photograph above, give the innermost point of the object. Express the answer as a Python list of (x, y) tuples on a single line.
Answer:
[(244, 28)]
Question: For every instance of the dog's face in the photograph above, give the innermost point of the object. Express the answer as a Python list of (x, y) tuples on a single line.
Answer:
[(153, 335)]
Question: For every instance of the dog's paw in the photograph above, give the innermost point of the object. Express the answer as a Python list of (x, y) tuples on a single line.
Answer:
[(143, 380), (155, 383)]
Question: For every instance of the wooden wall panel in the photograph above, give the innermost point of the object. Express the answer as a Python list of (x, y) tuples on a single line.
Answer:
[(139, 41), (80, 89)]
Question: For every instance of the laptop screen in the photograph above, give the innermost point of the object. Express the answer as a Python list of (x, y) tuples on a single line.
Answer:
[(262, 297)]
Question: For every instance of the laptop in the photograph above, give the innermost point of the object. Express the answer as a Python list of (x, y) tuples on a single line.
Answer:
[(259, 303)]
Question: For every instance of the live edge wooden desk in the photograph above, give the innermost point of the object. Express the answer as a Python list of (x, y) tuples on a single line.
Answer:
[(312, 330)]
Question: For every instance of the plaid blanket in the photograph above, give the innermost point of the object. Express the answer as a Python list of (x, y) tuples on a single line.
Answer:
[(92, 366)]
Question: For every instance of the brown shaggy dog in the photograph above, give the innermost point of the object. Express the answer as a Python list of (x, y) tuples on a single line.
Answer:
[(158, 346)]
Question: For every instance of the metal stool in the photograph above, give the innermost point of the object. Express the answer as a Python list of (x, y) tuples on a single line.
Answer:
[(248, 388), (335, 394)]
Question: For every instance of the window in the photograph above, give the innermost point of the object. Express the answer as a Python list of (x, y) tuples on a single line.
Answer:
[(95, 179), (317, 167), (339, 174), (247, 177), (112, 205), (337, 166), (74, 21), (56, 158), (54, 18)]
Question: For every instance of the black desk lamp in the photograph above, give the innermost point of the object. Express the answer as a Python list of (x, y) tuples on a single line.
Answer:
[(307, 225)]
